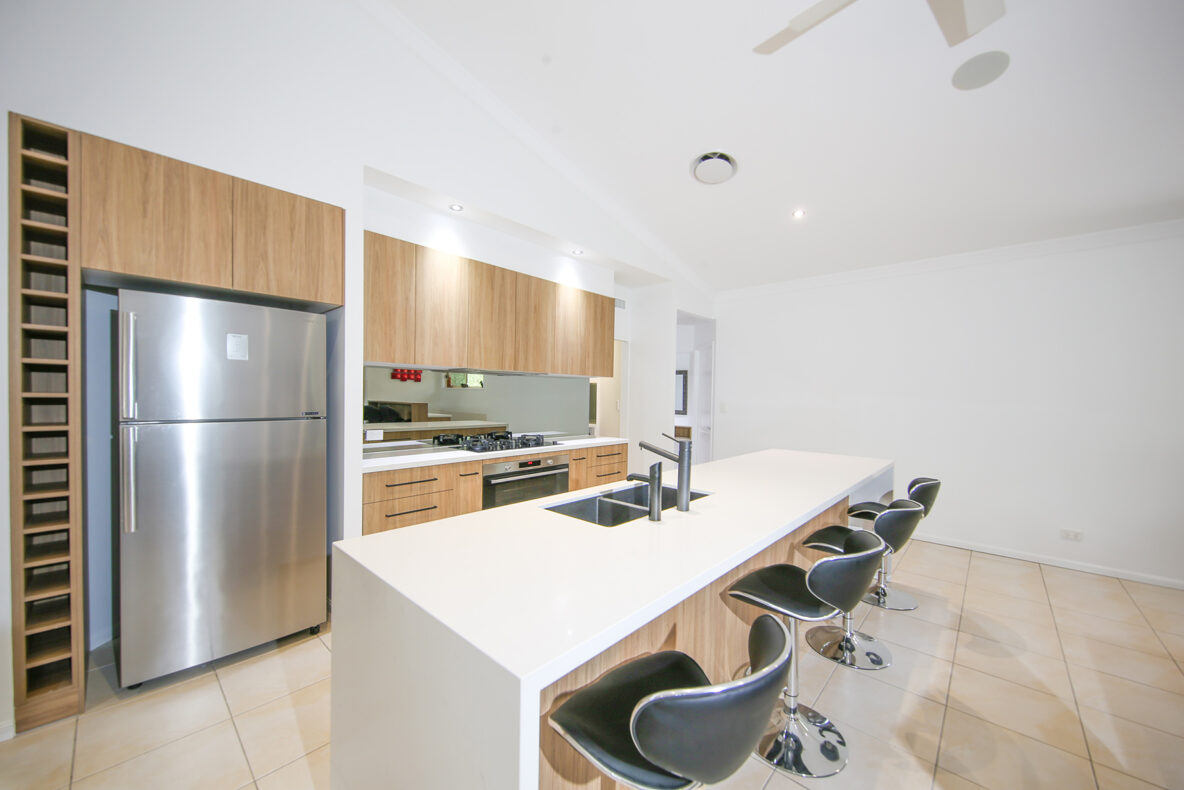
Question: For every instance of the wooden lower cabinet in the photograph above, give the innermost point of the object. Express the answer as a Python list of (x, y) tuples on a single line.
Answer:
[(467, 494), (593, 466), (608, 473), (577, 470), (405, 511)]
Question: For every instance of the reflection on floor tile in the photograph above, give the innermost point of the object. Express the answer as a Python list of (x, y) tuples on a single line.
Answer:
[(1124, 662), (899, 717), (207, 760), (1044, 717), (1002, 759), (250, 682), (1109, 779), (1015, 664), (1026, 636), (1136, 636), (1129, 700), (281, 731), (1142, 752), (873, 765), (310, 772), (911, 632)]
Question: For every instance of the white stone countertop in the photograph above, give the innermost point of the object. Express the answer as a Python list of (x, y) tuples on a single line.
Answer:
[(540, 593), (438, 455)]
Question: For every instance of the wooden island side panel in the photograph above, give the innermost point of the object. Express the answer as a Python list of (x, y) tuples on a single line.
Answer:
[(710, 627)]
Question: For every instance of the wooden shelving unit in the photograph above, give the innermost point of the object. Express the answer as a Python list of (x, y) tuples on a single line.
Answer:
[(45, 309)]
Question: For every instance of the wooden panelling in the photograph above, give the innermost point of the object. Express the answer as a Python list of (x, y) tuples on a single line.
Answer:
[(442, 304), (466, 497), (287, 245), (45, 418), (152, 216), (608, 454), (577, 470), (607, 473), (406, 511), (492, 329), (709, 626), (600, 333), (535, 332), (571, 349), (390, 300)]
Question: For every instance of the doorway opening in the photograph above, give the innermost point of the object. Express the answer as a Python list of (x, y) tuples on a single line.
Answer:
[(695, 387)]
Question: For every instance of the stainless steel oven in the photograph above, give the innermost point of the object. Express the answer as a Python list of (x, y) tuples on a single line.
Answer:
[(508, 481)]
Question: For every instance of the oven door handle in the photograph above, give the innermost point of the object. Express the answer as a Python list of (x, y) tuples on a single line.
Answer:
[(496, 480)]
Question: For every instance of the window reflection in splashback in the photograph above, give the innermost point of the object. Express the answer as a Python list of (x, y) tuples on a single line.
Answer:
[(524, 403)]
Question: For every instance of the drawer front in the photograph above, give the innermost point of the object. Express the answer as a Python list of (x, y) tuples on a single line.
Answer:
[(405, 511), (611, 454), (606, 473), (467, 493), (398, 483)]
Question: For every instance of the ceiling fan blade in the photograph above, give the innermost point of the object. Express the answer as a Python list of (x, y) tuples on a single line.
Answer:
[(961, 19), (814, 15)]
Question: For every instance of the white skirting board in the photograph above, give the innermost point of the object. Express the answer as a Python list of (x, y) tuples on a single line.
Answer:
[(1087, 567), (7, 730)]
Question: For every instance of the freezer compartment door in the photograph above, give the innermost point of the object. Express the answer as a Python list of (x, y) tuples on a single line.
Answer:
[(222, 541), (185, 358)]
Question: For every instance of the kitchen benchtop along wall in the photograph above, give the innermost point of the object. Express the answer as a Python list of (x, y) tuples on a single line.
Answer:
[(523, 403)]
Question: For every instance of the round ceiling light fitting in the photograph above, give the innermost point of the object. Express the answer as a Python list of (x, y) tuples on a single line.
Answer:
[(714, 167), (577, 252), (456, 207), (798, 213)]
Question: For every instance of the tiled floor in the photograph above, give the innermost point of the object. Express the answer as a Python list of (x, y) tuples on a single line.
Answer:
[(1011, 675)]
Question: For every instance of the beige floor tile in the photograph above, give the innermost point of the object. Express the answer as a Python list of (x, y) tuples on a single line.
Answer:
[(251, 682), (1136, 636), (1101, 596), (915, 671), (1028, 590), (1029, 669), (327, 639), (1154, 596), (1109, 779), (1124, 662), (1142, 752), (944, 780), (285, 729), (1010, 577), (103, 689), (873, 763), (911, 632), (116, 733), (310, 772), (1129, 700), (1002, 759), (1044, 717), (813, 673), (1000, 605), (751, 776), (1164, 619), (951, 592), (905, 719), (38, 759), (1175, 645), (935, 567), (210, 759), (930, 548), (1029, 637)]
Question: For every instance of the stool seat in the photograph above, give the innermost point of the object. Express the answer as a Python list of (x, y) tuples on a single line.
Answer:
[(866, 509), (782, 589), (597, 716), (657, 723)]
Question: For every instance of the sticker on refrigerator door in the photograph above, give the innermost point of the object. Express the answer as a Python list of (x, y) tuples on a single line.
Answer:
[(236, 347)]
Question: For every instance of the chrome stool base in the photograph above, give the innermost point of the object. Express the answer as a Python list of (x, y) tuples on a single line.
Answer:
[(803, 743), (891, 599), (856, 649)]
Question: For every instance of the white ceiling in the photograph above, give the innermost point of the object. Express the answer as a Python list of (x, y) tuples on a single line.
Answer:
[(856, 121)]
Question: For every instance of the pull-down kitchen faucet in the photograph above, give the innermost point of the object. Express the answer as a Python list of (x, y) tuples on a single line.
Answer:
[(654, 478), (683, 459)]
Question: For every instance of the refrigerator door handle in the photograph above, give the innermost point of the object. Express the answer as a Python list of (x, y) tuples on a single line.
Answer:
[(127, 365), (128, 479)]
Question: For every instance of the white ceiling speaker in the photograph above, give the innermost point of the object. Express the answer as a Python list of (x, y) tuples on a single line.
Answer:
[(958, 20), (713, 168)]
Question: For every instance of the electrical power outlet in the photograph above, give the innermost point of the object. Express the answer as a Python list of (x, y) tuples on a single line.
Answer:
[(1074, 535)]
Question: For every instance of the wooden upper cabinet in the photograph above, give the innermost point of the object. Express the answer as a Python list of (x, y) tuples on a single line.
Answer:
[(493, 326), (441, 308), (390, 300), (601, 333), (287, 245), (571, 351), (148, 215), (535, 324)]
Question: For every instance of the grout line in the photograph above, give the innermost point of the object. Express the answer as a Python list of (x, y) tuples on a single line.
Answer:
[(233, 723), (941, 732), (150, 751), (1154, 630), (73, 753), (1073, 689)]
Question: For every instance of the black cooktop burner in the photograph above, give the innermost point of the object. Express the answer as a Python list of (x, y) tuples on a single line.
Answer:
[(503, 440)]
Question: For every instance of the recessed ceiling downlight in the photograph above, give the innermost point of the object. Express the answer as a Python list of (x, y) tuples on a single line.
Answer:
[(981, 70), (456, 207), (713, 168)]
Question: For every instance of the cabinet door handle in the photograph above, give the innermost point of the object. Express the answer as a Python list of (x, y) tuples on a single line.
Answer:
[(409, 512), (581, 458), (412, 482), (468, 474), (607, 455), (608, 474)]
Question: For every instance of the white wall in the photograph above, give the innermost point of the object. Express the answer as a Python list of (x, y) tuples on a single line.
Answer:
[(1043, 384), (302, 95)]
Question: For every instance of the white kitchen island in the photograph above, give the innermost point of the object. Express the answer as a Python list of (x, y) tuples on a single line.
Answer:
[(452, 639)]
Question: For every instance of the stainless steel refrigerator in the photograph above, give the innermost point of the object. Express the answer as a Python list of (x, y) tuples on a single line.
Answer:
[(222, 437)]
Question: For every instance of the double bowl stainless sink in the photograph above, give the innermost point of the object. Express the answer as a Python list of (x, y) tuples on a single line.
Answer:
[(614, 508)]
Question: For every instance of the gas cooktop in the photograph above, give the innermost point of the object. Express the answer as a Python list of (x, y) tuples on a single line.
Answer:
[(492, 442)]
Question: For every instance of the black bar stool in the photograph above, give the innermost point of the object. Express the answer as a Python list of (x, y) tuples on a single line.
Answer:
[(656, 723), (799, 740)]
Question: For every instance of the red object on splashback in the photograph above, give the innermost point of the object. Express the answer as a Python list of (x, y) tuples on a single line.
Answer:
[(403, 374)]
